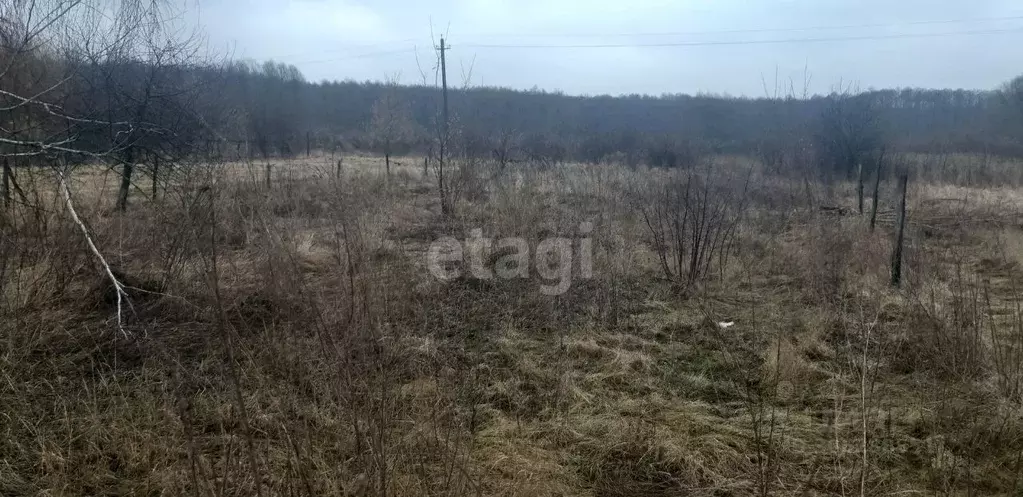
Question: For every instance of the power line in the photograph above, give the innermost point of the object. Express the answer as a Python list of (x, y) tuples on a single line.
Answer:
[(756, 42), (352, 48), (738, 31), (412, 49), (348, 48), (359, 56), (386, 53)]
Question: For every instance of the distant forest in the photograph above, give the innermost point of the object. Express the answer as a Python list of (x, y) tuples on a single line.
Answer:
[(160, 104), (277, 105)]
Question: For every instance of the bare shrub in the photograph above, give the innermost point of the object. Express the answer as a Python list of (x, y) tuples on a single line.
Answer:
[(1007, 350), (391, 125), (946, 337), (693, 220), (847, 135), (671, 152), (544, 152)]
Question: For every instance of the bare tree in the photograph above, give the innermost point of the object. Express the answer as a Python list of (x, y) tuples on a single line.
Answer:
[(111, 82), (101, 81), (152, 88), (90, 81), (506, 145), (1012, 96), (270, 105), (391, 123), (848, 134), (31, 84)]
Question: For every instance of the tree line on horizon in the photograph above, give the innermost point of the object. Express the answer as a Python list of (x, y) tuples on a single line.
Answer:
[(285, 108), (141, 94)]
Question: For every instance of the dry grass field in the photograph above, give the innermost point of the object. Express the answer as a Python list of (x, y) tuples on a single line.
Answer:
[(291, 341)]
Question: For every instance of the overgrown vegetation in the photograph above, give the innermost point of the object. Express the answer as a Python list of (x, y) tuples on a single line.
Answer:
[(290, 341), (252, 323)]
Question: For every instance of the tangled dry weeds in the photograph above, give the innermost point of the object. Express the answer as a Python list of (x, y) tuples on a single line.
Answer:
[(290, 341)]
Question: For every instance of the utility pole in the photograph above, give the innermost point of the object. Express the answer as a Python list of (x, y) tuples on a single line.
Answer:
[(444, 129)]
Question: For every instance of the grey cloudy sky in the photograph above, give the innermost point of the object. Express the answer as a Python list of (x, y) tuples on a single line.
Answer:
[(727, 46)]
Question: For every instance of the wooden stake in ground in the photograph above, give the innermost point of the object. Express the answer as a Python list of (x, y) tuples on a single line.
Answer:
[(6, 192), (859, 189), (156, 173), (897, 250), (877, 186)]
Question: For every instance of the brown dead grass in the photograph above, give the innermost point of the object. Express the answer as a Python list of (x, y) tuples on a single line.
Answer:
[(360, 374)]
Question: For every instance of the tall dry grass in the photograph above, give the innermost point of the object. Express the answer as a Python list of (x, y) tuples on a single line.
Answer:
[(289, 340)]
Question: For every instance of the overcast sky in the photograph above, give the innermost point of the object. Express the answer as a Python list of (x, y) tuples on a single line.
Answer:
[(722, 46)]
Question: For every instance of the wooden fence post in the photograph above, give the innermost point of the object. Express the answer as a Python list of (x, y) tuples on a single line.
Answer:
[(877, 186), (900, 236), (156, 173), (859, 188), (6, 187)]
